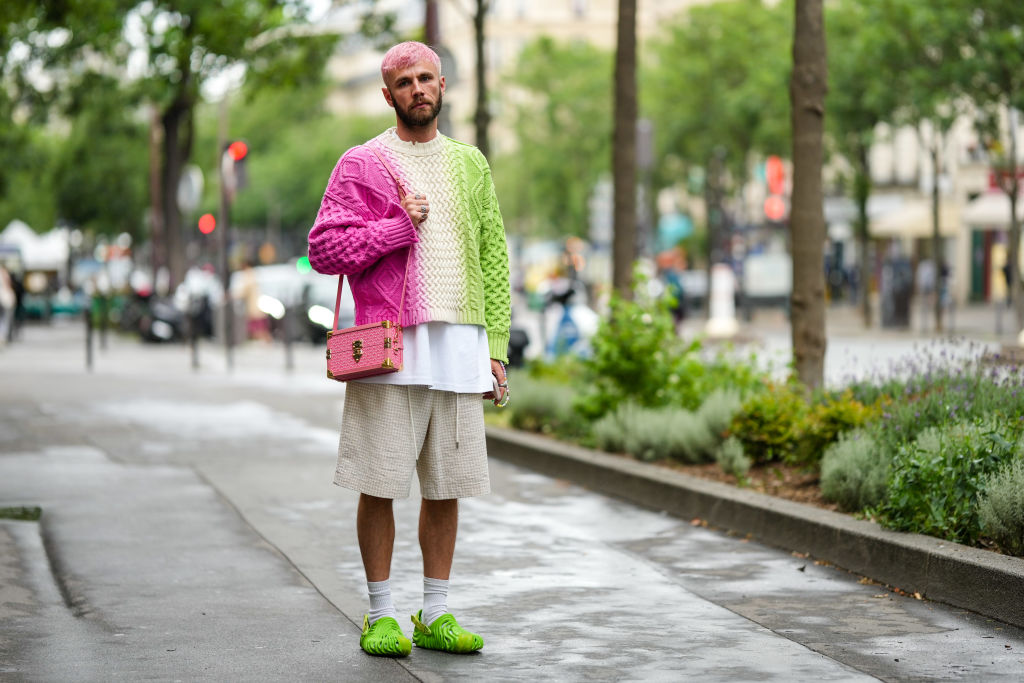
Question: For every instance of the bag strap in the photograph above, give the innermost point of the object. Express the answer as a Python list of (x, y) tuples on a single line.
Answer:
[(408, 253)]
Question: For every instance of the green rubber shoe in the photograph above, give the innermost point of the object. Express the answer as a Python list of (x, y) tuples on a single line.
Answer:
[(444, 634), (384, 638)]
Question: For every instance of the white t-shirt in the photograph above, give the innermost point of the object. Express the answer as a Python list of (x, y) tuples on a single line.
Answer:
[(443, 356)]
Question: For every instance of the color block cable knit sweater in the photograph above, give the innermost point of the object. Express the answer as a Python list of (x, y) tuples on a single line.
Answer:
[(458, 270)]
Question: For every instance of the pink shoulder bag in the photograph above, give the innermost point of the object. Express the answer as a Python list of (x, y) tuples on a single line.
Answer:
[(373, 348)]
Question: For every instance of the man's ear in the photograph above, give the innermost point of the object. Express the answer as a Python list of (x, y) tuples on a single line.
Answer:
[(442, 85), (387, 96)]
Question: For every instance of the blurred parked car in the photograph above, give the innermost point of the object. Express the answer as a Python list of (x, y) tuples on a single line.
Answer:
[(307, 297), (768, 279)]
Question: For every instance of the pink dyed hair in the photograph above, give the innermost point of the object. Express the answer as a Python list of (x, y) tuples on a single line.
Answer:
[(404, 55)]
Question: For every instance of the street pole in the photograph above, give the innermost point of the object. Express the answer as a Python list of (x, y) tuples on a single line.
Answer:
[(88, 338), (193, 319), (286, 325), (223, 222)]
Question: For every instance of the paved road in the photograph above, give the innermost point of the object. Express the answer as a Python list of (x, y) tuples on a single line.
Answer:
[(191, 532)]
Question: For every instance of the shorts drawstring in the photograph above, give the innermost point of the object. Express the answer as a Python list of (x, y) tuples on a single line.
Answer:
[(456, 421), (412, 423)]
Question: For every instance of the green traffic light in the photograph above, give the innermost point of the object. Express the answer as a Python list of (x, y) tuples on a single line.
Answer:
[(303, 265)]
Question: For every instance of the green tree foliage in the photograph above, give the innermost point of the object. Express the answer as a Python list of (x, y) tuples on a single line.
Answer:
[(924, 65), (995, 81), (858, 100), (26, 177), (563, 127), (293, 146), (717, 80), (102, 167), (183, 44)]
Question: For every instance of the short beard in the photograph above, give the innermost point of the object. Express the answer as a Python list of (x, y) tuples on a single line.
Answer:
[(418, 119)]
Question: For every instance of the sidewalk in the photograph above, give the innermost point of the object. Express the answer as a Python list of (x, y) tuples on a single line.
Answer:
[(190, 532)]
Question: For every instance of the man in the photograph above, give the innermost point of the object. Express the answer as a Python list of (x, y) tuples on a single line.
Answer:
[(426, 247)]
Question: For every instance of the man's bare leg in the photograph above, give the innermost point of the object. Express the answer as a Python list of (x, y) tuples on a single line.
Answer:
[(439, 523), (375, 527)]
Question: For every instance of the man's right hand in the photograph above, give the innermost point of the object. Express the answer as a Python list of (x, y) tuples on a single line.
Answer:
[(417, 207)]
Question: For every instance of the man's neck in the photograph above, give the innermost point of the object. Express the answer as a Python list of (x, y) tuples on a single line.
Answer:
[(417, 134)]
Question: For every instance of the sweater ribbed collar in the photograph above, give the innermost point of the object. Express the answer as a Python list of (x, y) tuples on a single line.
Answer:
[(390, 139)]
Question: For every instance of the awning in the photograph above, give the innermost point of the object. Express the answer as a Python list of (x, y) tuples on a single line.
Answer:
[(38, 252), (991, 211), (913, 219), (841, 212)]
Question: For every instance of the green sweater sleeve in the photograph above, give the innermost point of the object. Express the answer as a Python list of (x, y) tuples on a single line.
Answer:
[(494, 264)]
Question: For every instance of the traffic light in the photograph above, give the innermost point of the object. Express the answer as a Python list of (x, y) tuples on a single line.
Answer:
[(232, 167), (207, 223), (238, 150)]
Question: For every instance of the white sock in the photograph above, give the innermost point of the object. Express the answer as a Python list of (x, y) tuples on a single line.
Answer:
[(380, 600), (435, 599)]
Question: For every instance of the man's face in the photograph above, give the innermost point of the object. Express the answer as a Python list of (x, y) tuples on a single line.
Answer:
[(416, 94)]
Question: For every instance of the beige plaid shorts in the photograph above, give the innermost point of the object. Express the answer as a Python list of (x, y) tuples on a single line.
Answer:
[(389, 430)]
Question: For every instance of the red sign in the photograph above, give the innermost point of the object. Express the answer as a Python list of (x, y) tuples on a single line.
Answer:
[(775, 174), (1004, 176), (775, 208)]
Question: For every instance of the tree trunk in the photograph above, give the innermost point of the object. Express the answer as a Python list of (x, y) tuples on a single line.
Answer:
[(179, 133), (624, 151), (158, 243), (482, 119), (938, 258), (1012, 188), (1016, 289), (807, 90), (177, 146), (862, 190)]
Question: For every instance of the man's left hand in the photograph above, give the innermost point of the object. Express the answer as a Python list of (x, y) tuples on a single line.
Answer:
[(498, 371)]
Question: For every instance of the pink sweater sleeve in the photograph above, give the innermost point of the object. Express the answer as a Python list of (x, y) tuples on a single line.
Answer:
[(360, 219)]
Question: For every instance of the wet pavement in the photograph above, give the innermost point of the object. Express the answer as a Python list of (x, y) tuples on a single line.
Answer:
[(191, 532)]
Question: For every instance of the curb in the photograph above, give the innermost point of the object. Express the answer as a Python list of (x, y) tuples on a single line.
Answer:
[(978, 580)]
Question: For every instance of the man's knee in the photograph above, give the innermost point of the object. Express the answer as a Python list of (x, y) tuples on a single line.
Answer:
[(374, 503)]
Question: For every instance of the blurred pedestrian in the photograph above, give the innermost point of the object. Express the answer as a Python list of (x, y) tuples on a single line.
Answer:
[(447, 230), (256, 323), (8, 303)]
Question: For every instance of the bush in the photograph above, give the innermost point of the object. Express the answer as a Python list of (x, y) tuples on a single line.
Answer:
[(657, 434), (854, 471), (637, 357), (731, 459), (719, 409), (936, 480), (941, 384), (780, 424), (633, 357), (769, 423), (1001, 509), (825, 423), (544, 406)]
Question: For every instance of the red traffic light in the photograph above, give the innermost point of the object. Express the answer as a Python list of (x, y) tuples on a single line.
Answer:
[(238, 150), (775, 208), (207, 223)]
